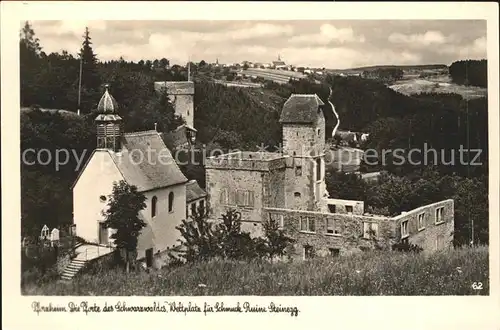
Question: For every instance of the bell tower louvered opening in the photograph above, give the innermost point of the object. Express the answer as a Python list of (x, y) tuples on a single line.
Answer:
[(109, 135)]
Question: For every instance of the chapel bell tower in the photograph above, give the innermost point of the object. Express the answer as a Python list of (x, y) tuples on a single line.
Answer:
[(108, 123)]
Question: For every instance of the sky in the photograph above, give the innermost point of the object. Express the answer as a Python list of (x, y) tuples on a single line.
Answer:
[(334, 44)]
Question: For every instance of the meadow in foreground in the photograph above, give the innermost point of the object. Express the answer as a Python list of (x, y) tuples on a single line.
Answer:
[(451, 272)]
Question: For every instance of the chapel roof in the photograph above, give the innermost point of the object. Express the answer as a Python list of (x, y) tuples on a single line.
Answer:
[(146, 162)]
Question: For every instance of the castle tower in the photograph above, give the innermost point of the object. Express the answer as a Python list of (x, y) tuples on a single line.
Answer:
[(108, 123), (181, 94), (303, 126)]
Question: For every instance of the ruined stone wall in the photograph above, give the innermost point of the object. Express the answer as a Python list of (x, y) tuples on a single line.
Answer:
[(298, 139), (355, 232), (235, 162), (350, 237), (340, 205), (299, 184), (432, 236), (234, 180), (274, 188), (302, 138)]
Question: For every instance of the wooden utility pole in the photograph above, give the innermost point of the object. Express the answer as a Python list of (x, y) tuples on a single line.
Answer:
[(80, 83)]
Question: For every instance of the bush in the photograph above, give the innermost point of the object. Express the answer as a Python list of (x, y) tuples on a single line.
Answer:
[(203, 240), (404, 246)]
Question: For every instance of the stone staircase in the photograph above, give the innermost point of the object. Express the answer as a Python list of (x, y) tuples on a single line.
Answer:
[(72, 269), (84, 254)]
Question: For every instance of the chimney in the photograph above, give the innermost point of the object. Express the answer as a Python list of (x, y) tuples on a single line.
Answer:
[(156, 126)]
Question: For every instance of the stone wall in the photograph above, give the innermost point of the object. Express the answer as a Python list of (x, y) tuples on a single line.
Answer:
[(355, 232), (358, 207), (236, 161), (299, 184), (234, 180), (350, 237), (432, 236), (299, 139), (62, 261), (274, 188), (184, 107)]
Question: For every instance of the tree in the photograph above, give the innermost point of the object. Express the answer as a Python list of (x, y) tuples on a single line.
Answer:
[(122, 215), (235, 244), (91, 80), (276, 240), (164, 63), (29, 56), (345, 185), (200, 240), (29, 40)]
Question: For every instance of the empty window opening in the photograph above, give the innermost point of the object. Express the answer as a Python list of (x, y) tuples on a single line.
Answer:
[(307, 224), (404, 229), (308, 252), (318, 169), (439, 215), (334, 252), (332, 227), (370, 230), (421, 221), (298, 171)]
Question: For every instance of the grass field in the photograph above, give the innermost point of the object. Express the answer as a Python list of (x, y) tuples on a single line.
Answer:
[(439, 84), (451, 272)]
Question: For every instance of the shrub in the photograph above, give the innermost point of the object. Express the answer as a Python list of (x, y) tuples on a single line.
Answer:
[(405, 246), (276, 241), (200, 241), (204, 240)]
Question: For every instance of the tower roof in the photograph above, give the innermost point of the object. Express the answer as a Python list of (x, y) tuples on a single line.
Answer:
[(107, 104), (301, 109)]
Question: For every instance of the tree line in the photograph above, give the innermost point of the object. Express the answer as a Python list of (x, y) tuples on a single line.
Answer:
[(470, 72)]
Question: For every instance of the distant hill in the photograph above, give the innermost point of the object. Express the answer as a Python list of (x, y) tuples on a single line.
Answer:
[(402, 67), (61, 111)]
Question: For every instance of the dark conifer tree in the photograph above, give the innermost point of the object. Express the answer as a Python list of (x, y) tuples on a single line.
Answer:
[(30, 51), (91, 81)]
